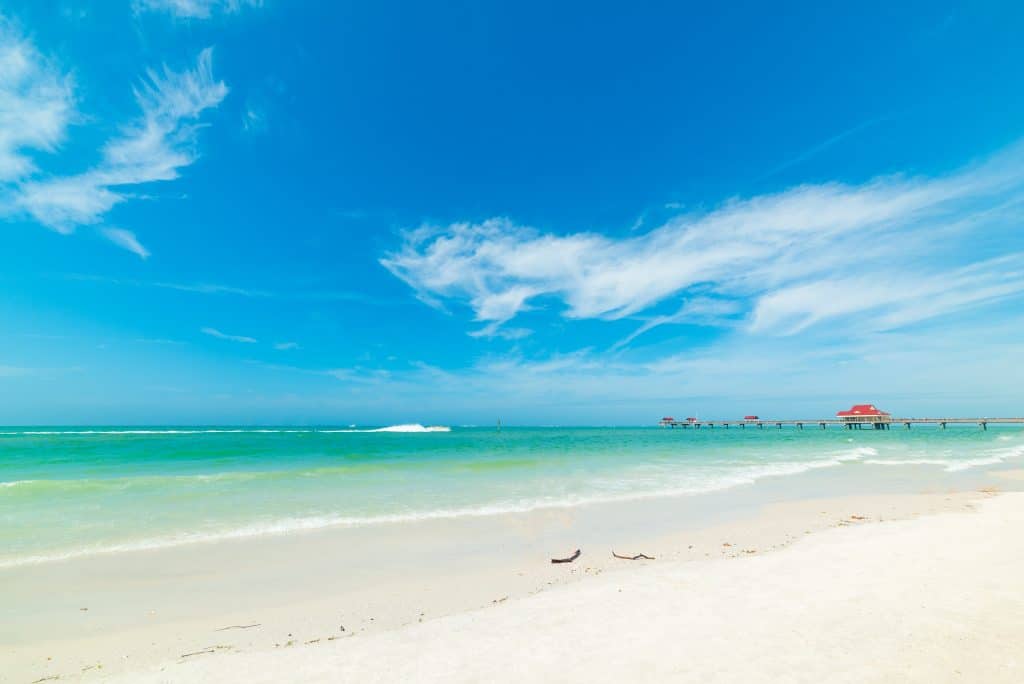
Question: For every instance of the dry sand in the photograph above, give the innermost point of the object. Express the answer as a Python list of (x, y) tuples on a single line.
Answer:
[(934, 599)]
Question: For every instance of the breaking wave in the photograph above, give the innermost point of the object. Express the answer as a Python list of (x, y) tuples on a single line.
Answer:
[(953, 465), (411, 427)]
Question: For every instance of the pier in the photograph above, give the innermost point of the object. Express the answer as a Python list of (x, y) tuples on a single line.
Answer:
[(857, 417), (824, 423)]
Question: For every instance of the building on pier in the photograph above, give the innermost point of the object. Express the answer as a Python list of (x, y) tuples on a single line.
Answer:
[(861, 414)]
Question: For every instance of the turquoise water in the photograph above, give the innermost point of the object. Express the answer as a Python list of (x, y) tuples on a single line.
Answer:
[(76, 491)]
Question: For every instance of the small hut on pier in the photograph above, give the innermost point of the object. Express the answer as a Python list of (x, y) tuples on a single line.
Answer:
[(865, 414)]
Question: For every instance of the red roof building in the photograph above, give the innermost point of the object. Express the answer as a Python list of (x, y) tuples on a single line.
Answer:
[(864, 412)]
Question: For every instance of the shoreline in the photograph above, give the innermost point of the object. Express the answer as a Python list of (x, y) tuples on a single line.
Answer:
[(840, 459), (144, 609)]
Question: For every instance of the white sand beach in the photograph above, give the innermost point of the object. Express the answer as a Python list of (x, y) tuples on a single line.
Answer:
[(935, 599), (891, 587)]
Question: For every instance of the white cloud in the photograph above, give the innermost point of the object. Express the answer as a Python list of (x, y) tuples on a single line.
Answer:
[(194, 9), (900, 299), (36, 107), (63, 203), (894, 233), (213, 332), (698, 310), (36, 104), (254, 120), (152, 148), (127, 240), (285, 346), (493, 330)]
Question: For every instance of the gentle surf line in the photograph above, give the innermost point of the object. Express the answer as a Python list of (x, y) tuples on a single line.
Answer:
[(952, 465), (286, 525)]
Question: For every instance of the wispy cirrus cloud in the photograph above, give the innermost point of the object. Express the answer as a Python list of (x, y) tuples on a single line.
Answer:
[(505, 333), (208, 288), (36, 104), (194, 9), (196, 288), (815, 150), (254, 120), (901, 299), (153, 148), (286, 346), (37, 107), (783, 261), (126, 239), (698, 310), (213, 332)]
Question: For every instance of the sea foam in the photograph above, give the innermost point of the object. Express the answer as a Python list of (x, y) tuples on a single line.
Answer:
[(411, 427), (953, 465)]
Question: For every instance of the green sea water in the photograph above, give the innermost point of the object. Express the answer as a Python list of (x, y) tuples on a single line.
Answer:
[(67, 492)]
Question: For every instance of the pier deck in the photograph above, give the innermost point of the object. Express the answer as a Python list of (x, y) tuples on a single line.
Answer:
[(851, 424)]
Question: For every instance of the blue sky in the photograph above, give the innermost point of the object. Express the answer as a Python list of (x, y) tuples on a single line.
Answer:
[(235, 211)]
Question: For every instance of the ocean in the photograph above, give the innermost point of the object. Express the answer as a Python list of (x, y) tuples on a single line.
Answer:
[(74, 491)]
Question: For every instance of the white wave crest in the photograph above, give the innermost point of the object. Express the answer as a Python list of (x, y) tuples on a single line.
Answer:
[(949, 465), (17, 483), (857, 454), (411, 427), (953, 465)]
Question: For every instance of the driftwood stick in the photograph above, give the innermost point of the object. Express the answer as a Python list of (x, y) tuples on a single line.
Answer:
[(222, 629), (570, 559), (208, 650), (636, 557)]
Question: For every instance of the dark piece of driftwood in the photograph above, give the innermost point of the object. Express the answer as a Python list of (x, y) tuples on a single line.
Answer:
[(570, 559), (223, 629), (636, 557), (207, 650)]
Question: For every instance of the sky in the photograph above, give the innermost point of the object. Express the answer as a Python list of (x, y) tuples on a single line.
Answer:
[(298, 212)]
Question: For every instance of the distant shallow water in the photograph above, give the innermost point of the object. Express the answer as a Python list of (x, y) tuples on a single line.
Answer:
[(67, 492)]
